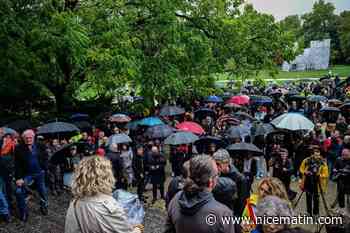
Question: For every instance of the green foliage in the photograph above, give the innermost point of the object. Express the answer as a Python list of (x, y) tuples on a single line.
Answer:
[(162, 49), (344, 34), (321, 24)]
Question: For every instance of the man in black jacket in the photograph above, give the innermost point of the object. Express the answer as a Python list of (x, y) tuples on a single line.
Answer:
[(138, 166), (31, 163), (194, 209), (342, 174), (240, 183)]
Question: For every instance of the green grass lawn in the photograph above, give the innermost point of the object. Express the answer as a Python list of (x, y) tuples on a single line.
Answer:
[(341, 70)]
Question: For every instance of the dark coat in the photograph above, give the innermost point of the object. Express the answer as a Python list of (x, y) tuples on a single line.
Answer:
[(342, 174), (138, 166), (187, 214), (22, 162), (156, 166), (115, 159), (225, 191), (284, 176)]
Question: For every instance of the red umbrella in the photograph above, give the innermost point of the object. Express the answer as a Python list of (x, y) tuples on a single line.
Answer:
[(239, 99), (190, 126)]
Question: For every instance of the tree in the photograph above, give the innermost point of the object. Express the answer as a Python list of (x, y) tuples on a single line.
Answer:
[(163, 49), (344, 34), (321, 24)]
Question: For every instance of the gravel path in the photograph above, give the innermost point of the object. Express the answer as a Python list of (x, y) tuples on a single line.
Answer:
[(154, 219)]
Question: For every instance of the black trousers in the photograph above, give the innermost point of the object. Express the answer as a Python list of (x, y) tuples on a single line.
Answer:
[(342, 191), (140, 188), (155, 189), (312, 203)]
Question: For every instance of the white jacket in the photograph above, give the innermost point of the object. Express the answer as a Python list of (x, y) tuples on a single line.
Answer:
[(97, 214)]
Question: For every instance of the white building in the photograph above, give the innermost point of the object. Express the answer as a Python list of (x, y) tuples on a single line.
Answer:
[(314, 58)]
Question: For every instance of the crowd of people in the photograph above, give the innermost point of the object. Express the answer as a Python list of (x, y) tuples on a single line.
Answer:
[(240, 143)]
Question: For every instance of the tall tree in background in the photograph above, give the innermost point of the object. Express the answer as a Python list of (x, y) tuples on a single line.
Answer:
[(344, 34), (321, 24)]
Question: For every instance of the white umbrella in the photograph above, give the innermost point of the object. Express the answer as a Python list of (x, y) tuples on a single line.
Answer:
[(292, 121)]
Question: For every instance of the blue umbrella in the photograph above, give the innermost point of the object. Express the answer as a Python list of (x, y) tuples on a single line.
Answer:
[(118, 139), (9, 131), (260, 100), (180, 138), (214, 99), (151, 121)]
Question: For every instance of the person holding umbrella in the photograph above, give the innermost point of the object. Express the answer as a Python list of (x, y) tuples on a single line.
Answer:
[(31, 162)]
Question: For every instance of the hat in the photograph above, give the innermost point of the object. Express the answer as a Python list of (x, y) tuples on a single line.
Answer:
[(222, 156), (100, 152)]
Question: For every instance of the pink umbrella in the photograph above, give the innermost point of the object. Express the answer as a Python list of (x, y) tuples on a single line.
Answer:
[(190, 126), (239, 99)]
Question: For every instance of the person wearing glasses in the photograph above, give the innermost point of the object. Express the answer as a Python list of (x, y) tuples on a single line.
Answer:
[(31, 164)]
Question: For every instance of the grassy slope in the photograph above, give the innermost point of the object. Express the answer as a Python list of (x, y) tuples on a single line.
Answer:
[(342, 71)]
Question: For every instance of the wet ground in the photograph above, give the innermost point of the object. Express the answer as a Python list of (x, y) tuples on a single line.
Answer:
[(154, 219)]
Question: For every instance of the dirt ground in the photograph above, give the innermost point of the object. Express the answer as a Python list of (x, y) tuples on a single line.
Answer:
[(154, 219)]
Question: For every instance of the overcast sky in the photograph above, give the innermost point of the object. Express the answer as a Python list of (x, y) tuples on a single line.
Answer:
[(282, 8)]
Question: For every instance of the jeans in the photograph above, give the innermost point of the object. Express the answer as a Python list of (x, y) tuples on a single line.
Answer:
[(21, 192), (4, 208)]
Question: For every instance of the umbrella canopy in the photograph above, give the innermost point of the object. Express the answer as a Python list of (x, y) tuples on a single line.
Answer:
[(232, 105), (9, 131), (292, 121), (345, 106), (159, 131), (330, 109), (132, 125), (119, 118), (243, 116), (190, 126), (151, 121), (244, 147), (254, 99), (57, 127), (234, 132), (204, 112), (171, 111), (83, 125), (227, 118), (20, 125), (317, 98), (118, 139), (335, 102), (180, 138), (239, 99), (79, 117), (213, 99), (206, 140), (262, 129)]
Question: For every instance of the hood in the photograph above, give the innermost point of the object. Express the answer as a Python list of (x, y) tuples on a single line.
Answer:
[(191, 204)]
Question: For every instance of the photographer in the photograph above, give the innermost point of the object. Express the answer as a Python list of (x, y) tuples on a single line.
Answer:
[(342, 174), (314, 171)]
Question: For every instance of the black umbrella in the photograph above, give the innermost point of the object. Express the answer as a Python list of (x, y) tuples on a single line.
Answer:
[(171, 111), (204, 112), (159, 131), (57, 127), (262, 129), (330, 109), (19, 125), (207, 140), (296, 98), (244, 147), (59, 156), (180, 138), (343, 107), (83, 125)]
